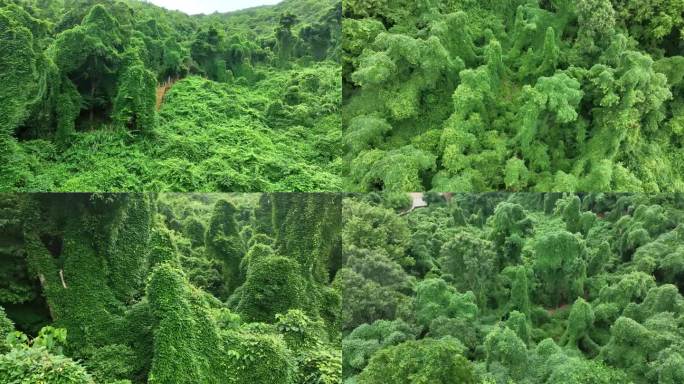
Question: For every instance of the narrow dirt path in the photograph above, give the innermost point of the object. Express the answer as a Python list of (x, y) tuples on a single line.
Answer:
[(162, 89)]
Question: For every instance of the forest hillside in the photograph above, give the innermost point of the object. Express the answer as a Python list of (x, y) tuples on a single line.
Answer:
[(121, 95), (168, 289), (519, 288)]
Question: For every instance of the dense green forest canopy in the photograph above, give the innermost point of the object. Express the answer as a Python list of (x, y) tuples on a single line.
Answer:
[(121, 95), (521, 288), (170, 289), (538, 95)]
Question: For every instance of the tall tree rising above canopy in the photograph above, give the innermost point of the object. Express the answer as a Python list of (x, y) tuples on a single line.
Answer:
[(516, 95)]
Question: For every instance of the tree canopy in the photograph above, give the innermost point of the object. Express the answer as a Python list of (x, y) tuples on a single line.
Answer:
[(477, 96), (508, 288)]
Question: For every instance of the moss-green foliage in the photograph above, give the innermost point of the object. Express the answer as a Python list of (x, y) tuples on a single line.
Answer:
[(277, 289), (89, 58), (554, 365), (204, 144), (366, 299), (258, 358), (299, 331), (224, 243), (516, 95), (510, 225), (470, 261), (307, 228), (319, 361), (424, 361), (434, 298), (365, 340), (506, 351), (580, 322), (37, 365), (559, 261), (37, 360), (24, 85), (87, 276), (183, 351), (273, 285), (322, 366), (251, 111), (135, 102), (162, 246), (6, 327), (16, 286), (372, 280), (140, 298), (112, 362), (17, 52), (376, 229), (519, 288)]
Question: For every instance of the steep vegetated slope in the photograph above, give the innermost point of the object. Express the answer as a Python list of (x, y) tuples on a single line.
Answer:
[(251, 103), (171, 289), (513, 288), (541, 95)]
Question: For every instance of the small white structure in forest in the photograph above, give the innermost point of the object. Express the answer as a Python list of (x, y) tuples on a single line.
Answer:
[(417, 200)]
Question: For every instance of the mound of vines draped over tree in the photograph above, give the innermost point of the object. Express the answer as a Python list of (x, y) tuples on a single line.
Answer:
[(120, 95), (489, 95), (521, 288), (175, 289)]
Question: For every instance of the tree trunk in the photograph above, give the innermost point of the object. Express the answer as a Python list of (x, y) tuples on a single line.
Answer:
[(92, 104)]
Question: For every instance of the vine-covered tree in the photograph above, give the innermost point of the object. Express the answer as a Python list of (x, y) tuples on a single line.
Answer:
[(431, 361), (105, 292), (224, 243), (285, 39)]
